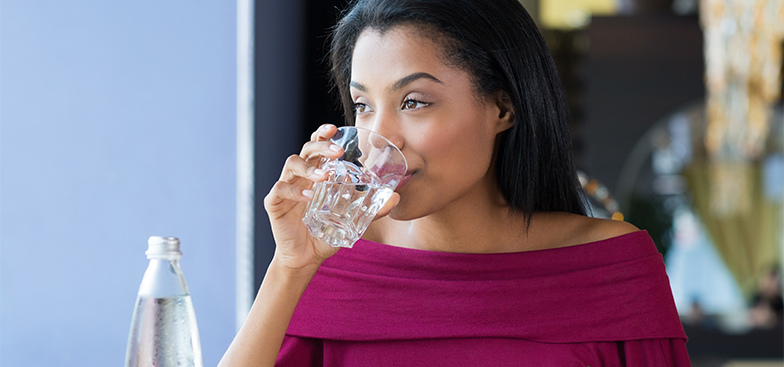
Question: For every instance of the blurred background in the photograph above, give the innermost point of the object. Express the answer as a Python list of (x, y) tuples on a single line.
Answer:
[(119, 121)]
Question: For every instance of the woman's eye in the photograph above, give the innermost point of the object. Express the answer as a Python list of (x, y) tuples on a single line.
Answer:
[(360, 107), (411, 104)]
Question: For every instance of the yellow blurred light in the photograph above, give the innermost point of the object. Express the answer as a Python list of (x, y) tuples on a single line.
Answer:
[(572, 14)]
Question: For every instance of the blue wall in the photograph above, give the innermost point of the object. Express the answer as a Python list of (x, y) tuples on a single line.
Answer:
[(117, 122)]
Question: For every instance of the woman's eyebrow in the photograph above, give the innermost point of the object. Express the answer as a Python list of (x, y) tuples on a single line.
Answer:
[(415, 76), (400, 83), (359, 86)]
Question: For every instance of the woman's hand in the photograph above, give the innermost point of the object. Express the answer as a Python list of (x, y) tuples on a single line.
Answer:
[(297, 254), (296, 249), (285, 204)]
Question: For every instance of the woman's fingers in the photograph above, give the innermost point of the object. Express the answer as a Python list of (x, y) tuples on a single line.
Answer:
[(296, 167), (324, 132), (300, 171), (284, 191), (317, 149), (285, 203), (319, 143)]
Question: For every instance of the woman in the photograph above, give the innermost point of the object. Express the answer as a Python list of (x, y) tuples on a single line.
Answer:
[(484, 256)]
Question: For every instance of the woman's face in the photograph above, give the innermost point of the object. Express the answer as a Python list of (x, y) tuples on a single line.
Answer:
[(404, 90)]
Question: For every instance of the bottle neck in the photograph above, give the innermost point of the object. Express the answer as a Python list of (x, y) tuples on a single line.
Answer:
[(163, 279)]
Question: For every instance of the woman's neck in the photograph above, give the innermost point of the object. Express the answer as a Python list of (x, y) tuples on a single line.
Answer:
[(480, 222)]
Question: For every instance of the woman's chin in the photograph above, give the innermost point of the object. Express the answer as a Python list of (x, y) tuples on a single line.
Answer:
[(404, 212)]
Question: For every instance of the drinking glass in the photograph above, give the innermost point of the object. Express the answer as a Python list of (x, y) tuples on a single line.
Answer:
[(358, 184)]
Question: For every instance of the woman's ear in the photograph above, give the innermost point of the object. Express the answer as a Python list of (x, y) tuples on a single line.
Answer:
[(506, 115)]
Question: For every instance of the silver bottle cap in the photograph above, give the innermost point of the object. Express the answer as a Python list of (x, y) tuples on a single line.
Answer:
[(163, 248)]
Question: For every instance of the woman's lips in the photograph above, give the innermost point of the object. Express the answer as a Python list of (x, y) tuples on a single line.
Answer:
[(405, 179)]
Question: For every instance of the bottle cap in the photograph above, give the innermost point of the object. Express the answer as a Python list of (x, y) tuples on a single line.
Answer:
[(163, 248)]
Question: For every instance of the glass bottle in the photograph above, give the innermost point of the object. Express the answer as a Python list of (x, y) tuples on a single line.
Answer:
[(163, 329)]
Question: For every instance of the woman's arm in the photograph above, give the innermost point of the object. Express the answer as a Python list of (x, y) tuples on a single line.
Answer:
[(258, 341), (297, 256)]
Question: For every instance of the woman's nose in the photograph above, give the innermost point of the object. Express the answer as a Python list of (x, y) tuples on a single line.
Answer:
[(390, 129)]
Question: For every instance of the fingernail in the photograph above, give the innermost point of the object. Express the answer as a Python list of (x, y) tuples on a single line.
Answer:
[(319, 172), (307, 193), (335, 147)]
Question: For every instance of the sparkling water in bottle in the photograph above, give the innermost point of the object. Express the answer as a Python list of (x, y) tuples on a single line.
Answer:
[(163, 329)]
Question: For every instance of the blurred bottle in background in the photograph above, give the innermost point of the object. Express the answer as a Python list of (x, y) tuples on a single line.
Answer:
[(163, 329)]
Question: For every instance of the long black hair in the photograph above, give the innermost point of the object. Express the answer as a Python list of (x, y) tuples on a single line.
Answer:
[(499, 44)]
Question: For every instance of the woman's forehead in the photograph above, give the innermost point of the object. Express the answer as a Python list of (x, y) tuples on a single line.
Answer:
[(396, 52)]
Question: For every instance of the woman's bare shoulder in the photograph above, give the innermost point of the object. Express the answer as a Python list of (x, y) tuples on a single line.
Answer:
[(590, 229), (573, 229)]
